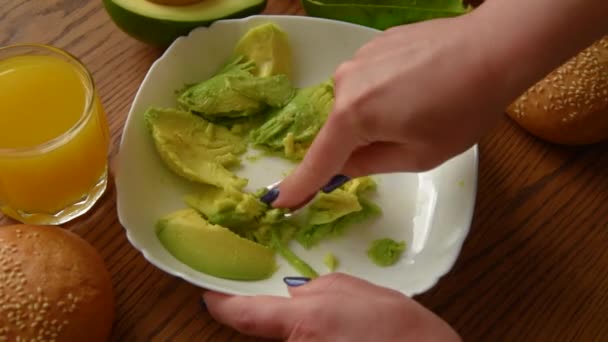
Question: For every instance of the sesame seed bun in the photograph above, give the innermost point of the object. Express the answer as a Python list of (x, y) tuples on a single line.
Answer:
[(54, 286), (570, 105)]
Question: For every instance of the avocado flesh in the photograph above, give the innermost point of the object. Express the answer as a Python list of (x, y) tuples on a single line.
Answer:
[(195, 148), (236, 210), (268, 46), (332, 214), (245, 215), (160, 25), (386, 251), (234, 92), (291, 129), (213, 249), (329, 207)]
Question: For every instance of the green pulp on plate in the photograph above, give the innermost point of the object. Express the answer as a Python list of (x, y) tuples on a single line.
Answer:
[(385, 252), (331, 215), (331, 262)]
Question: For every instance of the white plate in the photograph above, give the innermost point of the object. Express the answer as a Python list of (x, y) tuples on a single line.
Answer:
[(431, 211)]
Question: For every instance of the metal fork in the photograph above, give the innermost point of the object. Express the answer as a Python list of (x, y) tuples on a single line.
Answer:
[(273, 192)]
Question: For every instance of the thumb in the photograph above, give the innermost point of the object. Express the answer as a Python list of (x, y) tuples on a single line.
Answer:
[(325, 158)]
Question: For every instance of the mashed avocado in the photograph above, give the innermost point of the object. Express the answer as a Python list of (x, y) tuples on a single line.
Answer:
[(330, 261), (310, 235), (330, 215), (228, 207), (329, 207), (385, 252)]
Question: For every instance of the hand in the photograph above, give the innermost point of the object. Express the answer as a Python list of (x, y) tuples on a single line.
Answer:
[(409, 100), (335, 308)]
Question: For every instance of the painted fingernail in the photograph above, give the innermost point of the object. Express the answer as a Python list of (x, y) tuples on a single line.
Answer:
[(295, 281), (270, 196), (336, 182), (202, 304)]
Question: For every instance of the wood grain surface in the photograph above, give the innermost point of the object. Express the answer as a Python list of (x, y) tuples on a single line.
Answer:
[(534, 267)]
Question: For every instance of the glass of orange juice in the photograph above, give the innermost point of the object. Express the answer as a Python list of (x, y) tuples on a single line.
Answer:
[(54, 136)]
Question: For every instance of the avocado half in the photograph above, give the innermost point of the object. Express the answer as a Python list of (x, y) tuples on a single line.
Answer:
[(160, 25), (383, 14)]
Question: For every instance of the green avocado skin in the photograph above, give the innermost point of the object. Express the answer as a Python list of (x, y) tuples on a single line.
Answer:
[(161, 33), (381, 16)]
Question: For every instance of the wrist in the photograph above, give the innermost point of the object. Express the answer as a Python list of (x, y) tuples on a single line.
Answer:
[(525, 40)]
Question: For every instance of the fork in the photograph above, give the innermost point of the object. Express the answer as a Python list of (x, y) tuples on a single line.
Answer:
[(273, 192)]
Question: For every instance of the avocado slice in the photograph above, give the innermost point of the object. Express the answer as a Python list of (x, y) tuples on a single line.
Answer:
[(194, 148), (234, 92), (383, 14), (268, 46), (239, 211), (291, 129), (160, 25), (213, 249)]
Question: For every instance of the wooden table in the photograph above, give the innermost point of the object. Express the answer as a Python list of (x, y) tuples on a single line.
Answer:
[(534, 267)]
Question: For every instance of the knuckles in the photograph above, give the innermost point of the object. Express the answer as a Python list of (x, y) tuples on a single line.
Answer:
[(315, 324), (245, 321), (345, 69)]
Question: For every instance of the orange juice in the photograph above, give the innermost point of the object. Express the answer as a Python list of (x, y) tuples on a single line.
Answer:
[(53, 136)]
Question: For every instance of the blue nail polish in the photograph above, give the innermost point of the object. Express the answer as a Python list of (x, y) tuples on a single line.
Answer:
[(202, 304), (295, 281), (336, 182), (270, 196)]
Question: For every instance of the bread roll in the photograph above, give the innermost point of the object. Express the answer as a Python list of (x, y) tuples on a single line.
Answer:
[(54, 286), (570, 105)]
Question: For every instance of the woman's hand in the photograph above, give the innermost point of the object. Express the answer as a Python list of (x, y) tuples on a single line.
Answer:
[(335, 308), (419, 94), (410, 99)]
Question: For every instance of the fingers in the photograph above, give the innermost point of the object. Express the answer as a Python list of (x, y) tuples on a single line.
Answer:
[(328, 157), (324, 159), (263, 316), (389, 157)]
